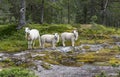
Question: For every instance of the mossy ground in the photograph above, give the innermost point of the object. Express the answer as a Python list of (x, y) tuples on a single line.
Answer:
[(17, 72), (104, 57), (12, 40)]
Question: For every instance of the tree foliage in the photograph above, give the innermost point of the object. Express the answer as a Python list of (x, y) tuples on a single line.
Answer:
[(62, 11)]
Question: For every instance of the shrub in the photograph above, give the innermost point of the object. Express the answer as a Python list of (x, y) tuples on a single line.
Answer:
[(102, 74), (16, 72), (94, 18)]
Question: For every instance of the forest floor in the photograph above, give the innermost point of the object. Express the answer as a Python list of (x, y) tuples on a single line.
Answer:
[(61, 62), (96, 52)]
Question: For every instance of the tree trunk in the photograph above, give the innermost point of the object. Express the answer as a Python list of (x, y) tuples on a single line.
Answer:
[(68, 11), (22, 21), (61, 17), (85, 14), (42, 12), (92, 9), (103, 10)]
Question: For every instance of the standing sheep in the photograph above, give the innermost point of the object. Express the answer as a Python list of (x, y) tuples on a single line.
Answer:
[(31, 36), (49, 38), (69, 36)]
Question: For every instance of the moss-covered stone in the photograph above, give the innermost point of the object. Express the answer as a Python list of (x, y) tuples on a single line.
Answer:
[(86, 47), (114, 62), (46, 66)]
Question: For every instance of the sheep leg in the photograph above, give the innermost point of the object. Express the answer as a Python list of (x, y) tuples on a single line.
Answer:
[(29, 44), (42, 45), (53, 45), (63, 42), (33, 43), (39, 42), (73, 42)]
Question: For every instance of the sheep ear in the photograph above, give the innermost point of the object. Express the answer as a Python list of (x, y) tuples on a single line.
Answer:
[(56, 34), (74, 30), (27, 29)]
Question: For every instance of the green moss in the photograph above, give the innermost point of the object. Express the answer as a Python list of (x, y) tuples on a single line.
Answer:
[(7, 60), (114, 62), (12, 45), (13, 40), (87, 58), (77, 59), (86, 47), (16, 72), (102, 74), (46, 66), (50, 57)]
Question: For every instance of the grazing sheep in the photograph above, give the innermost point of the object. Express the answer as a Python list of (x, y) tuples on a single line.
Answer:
[(49, 38), (69, 36), (31, 36)]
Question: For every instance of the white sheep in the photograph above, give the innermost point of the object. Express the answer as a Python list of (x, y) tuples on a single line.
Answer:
[(49, 38), (69, 36), (31, 36)]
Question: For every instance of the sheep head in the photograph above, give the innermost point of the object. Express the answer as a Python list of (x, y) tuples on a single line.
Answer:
[(27, 33), (56, 37), (27, 30), (75, 34)]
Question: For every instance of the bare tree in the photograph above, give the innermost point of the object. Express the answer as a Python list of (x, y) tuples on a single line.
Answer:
[(22, 21)]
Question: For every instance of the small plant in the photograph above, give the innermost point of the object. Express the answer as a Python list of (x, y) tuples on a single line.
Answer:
[(94, 19), (118, 48), (118, 74), (16, 72), (114, 62), (102, 74)]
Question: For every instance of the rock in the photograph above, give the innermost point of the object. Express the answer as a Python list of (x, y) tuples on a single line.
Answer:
[(34, 55), (20, 54), (4, 58), (117, 56), (117, 43), (1, 54), (116, 38), (93, 47), (0, 59), (83, 71), (40, 68), (64, 49)]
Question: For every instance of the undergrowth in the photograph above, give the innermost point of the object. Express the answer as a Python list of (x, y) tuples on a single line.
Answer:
[(12, 40), (16, 72)]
